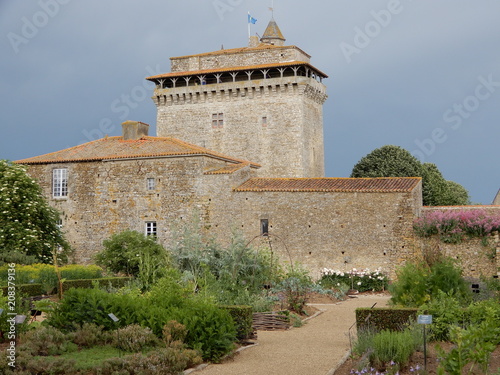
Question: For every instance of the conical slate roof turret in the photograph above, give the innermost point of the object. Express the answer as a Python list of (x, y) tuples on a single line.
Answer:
[(273, 35)]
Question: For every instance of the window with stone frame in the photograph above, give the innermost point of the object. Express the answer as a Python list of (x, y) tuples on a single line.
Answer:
[(59, 182), (151, 183), (150, 228), (217, 120)]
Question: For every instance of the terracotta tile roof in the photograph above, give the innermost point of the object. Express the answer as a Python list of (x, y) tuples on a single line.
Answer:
[(350, 185), (228, 169), (235, 69), (261, 46), (116, 148)]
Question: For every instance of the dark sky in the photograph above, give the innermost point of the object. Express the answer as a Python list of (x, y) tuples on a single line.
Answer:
[(423, 75)]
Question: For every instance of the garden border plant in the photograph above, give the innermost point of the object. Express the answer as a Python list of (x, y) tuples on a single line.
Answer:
[(454, 226)]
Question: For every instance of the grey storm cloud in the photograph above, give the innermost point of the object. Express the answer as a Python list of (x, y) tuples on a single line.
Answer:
[(423, 75)]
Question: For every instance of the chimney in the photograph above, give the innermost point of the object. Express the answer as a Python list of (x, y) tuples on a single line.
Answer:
[(253, 41), (133, 130)]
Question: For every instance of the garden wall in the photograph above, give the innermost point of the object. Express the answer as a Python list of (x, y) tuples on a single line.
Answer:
[(475, 258)]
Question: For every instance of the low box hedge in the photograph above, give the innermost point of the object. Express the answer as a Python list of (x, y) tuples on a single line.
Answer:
[(31, 290), (381, 318), (28, 290)]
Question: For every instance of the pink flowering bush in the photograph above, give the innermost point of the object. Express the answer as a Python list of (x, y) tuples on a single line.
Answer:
[(361, 280), (453, 226)]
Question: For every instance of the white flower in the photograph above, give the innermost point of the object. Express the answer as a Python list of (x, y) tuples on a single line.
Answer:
[(359, 282)]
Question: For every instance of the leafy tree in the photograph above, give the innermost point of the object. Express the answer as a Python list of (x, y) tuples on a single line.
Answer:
[(135, 254), (388, 161), (434, 186), (436, 191), (457, 195), (28, 225), (394, 161)]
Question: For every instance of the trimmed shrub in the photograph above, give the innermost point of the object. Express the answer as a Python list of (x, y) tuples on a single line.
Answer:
[(168, 361), (45, 273), (89, 335), (78, 272), (134, 338), (46, 341), (29, 290), (27, 364), (378, 319)]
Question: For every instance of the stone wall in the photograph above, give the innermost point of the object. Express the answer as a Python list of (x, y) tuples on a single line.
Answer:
[(290, 144), (474, 257), (318, 229), (238, 57), (334, 230)]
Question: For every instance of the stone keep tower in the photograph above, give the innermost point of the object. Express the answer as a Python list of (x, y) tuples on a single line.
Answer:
[(262, 103)]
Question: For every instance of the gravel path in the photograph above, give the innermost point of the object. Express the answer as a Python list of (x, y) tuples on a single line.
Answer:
[(316, 348)]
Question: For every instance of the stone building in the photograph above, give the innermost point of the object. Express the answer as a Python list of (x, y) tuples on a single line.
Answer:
[(240, 144)]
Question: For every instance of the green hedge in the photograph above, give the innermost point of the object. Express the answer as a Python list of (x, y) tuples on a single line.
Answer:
[(381, 318), (242, 317), (28, 290), (31, 290), (116, 282)]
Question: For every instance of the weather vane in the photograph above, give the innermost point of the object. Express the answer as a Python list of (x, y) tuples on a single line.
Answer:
[(272, 8)]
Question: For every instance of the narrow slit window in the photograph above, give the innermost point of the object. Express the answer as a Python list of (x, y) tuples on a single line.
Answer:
[(60, 182), (151, 184), (264, 227), (264, 122)]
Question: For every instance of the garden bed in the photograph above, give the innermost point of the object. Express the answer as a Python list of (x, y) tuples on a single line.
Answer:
[(416, 365)]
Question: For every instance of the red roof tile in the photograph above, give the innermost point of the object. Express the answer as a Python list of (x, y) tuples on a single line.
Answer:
[(228, 169), (361, 185), (116, 148)]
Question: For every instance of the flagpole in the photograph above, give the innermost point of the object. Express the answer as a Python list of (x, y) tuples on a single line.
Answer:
[(248, 21)]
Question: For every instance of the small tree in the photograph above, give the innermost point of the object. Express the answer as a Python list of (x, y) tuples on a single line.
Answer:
[(394, 161), (28, 225), (134, 254), (388, 161)]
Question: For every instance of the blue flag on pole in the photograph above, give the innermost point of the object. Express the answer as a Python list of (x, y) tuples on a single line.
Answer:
[(251, 19)]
